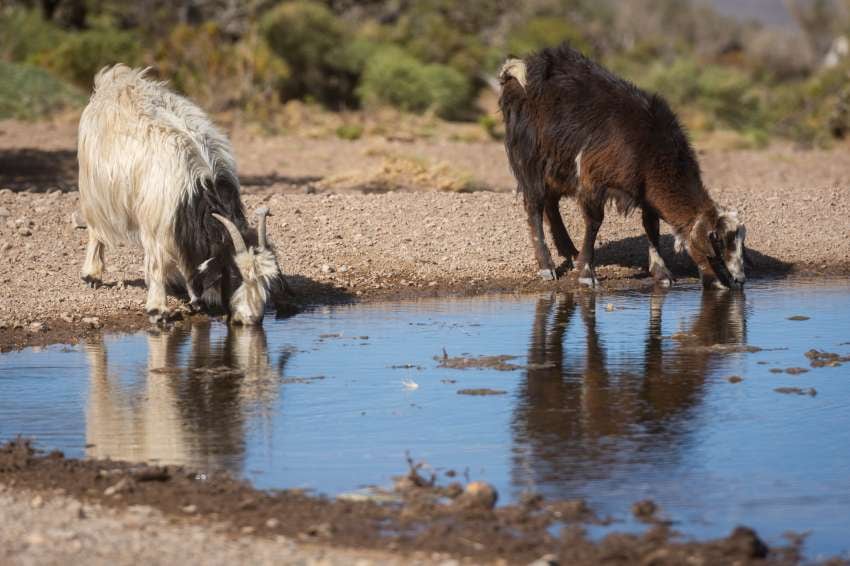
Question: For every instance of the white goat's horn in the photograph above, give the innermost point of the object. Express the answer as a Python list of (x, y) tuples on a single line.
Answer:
[(238, 242), (263, 213)]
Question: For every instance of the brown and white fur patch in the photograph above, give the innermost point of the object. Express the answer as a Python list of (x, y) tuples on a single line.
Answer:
[(514, 68)]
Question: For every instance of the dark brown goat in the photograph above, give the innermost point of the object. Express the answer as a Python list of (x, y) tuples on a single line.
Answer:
[(575, 129)]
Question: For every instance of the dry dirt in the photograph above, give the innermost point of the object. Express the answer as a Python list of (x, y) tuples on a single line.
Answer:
[(340, 240), (362, 220)]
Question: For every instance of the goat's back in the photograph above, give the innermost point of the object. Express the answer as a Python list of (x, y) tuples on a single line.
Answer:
[(143, 150), (564, 105)]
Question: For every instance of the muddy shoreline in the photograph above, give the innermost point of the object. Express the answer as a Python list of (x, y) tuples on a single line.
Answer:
[(427, 517)]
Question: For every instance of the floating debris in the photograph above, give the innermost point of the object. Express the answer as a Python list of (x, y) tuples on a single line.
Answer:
[(811, 391), (498, 363), (821, 359), (796, 371), (482, 391), (799, 317), (410, 384), (734, 379)]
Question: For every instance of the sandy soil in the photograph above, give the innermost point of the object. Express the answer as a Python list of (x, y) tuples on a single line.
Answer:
[(337, 239)]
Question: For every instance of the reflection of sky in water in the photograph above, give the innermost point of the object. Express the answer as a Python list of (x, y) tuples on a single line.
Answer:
[(612, 410)]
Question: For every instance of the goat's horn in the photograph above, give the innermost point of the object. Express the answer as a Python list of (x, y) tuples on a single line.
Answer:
[(263, 213), (238, 242)]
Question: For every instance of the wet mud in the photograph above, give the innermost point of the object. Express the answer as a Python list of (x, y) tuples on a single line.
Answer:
[(448, 519)]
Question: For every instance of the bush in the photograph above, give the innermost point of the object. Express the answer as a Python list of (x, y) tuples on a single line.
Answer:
[(314, 43), (727, 95), (537, 33), (81, 55), (398, 79), (25, 34), (201, 62), (28, 93)]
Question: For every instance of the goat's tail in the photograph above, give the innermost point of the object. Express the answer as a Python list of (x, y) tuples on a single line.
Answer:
[(514, 69)]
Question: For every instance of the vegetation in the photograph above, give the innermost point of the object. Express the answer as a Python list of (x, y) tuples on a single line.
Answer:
[(435, 57)]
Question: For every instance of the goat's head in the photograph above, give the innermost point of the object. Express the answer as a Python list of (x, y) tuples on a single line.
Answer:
[(257, 270), (716, 243)]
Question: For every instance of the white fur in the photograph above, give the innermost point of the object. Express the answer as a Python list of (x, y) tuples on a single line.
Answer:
[(142, 149), (514, 68), (248, 302)]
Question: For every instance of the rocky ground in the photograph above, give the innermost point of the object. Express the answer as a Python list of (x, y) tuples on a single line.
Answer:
[(364, 220)]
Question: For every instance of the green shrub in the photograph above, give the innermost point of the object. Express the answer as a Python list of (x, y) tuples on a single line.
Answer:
[(314, 43), (725, 94), (81, 55), (202, 63), (398, 79), (537, 33), (27, 92), (350, 132), (25, 34)]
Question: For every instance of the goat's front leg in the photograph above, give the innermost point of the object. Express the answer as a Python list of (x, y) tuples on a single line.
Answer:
[(538, 240), (657, 267), (563, 243), (157, 304), (594, 214), (92, 272)]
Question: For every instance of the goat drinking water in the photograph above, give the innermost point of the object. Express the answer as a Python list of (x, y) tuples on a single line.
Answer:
[(155, 171), (575, 129)]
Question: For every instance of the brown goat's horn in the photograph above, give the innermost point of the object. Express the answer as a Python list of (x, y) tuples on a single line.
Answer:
[(238, 242), (262, 212)]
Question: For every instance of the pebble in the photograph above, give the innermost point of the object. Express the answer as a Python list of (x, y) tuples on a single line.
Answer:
[(37, 502), (479, 494), (190, 509), (23, 221), (343, 268), (4, 212), (5, 246), (77, 220), (37, 327), (24, 231), (546, 560), (327, 268), (272, 523)]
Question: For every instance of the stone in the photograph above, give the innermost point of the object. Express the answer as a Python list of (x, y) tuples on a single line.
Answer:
[(92, 322), (4, 212), (327, 268), (77, 220), (479, 495)]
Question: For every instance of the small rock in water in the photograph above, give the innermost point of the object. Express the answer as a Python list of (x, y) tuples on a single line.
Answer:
[(481, 392), (734, 379), (478, 495), (796, 371), (644, 510), (610, 307), (798, 317), (77, 220)]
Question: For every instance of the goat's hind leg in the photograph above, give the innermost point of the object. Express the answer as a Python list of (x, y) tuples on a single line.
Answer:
[(92, 272), (657, 267), (538, 240), (563, 242)]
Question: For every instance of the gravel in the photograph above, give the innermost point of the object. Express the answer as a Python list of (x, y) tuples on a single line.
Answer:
[(53, 529)]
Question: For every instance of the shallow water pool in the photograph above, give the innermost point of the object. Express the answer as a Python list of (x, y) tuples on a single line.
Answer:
[(613, 397)]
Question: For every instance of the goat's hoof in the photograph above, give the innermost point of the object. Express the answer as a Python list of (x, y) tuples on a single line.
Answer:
[(157, 316), (91, 281), (587, 278), (663, 278), (547, 274)]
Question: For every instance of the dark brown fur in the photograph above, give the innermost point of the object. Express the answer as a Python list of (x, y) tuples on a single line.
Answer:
[(632, 150)]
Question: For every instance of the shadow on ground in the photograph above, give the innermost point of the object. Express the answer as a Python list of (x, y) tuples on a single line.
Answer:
[(633, 252), (38, 170)]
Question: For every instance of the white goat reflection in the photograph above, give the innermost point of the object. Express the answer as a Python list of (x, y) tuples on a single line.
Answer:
[(182, 408)]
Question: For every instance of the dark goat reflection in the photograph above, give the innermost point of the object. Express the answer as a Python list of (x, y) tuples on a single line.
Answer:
[(185, 407), (582, 418)]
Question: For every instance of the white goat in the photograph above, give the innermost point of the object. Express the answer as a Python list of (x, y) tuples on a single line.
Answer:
[(155, 171)]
